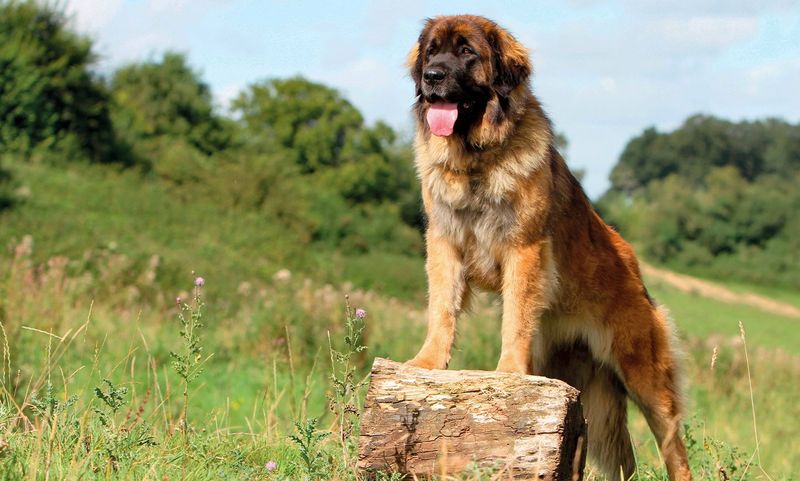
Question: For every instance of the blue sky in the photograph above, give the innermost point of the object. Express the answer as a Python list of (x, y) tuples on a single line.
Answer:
[(604, 70)]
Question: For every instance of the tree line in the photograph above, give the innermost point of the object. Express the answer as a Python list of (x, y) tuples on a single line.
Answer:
[(715, 197), (293, 148)]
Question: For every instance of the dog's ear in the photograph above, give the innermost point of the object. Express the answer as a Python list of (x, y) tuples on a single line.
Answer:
[(416, 56), (414, 65), (512, 64)]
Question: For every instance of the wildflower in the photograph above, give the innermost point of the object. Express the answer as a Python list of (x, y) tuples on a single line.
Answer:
[(361, 313), (178, 300), (271, 465), (199, 282)]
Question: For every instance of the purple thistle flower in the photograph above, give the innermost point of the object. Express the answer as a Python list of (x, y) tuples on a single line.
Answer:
[(199, 282), (361, 313), (271, 465), (178, 300)]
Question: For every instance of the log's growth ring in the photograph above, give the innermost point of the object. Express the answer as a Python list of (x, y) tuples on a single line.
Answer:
[(425, 422)]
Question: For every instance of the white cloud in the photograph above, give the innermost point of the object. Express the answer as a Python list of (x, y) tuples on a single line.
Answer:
[(380, 91), (167, 6), (608, 84), (172, 7), (705, 32), (774, 84), (708, 7), (605, 71), (384, 16), (224, 96), (92, 16)]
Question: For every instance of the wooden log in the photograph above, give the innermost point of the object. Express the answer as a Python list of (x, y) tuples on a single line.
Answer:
[(428, 422)]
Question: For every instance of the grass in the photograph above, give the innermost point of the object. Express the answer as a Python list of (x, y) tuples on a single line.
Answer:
[(789, 296), (90, 297), (79, 210), (270, 368), (705, 318)]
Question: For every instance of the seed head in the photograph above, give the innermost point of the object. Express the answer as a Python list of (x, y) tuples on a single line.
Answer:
[(714, 355)]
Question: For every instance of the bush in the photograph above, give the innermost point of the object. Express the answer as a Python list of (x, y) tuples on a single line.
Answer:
[(703, 143), (727, 227), (167, 99), (49, 98), (713, 196), (6, 196)]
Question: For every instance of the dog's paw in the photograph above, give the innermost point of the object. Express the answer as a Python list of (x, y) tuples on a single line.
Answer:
[(425, 362), (514, 366)]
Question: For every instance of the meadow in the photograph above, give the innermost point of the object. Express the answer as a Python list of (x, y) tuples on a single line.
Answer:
[(187, 293), (90, 319)]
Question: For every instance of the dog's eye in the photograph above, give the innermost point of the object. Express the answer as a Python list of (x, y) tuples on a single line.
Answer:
[(467, 51), (429, 51)]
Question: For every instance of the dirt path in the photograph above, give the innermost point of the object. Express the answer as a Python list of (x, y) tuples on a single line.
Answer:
[(708, 289)]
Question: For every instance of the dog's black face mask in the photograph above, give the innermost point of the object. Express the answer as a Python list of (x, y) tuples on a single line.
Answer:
[(459, 66)]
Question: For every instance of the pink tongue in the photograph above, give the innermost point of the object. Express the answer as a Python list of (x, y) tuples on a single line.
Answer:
[(442, 117)]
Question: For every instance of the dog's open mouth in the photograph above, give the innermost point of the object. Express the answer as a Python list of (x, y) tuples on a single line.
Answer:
[(442, 116)]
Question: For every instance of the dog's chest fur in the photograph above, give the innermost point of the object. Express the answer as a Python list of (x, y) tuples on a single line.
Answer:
[(474, 200), (475, 212)]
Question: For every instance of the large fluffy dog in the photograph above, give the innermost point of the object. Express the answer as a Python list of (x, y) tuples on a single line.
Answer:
[(505, 214)]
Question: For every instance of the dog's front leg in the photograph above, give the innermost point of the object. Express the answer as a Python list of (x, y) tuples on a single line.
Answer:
[(447, 295), (528, 277)]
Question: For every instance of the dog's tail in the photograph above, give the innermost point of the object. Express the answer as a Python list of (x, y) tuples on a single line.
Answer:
[(604, 402)]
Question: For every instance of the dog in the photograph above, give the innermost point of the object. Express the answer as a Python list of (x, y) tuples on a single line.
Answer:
[(506, 215)]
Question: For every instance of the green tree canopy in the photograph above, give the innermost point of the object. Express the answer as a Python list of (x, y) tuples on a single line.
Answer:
[(312, 121), (48, 94), (358, 180), (314, 127), (167, 98), (713, 196), (702, 143)]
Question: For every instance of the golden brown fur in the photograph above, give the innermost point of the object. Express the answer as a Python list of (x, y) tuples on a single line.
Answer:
[(506, 215)]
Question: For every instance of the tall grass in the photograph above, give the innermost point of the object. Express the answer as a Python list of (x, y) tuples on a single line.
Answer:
[(88, 391)]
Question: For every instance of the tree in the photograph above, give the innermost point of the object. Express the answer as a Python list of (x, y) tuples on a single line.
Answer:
[(6, 197), (314, 127), (702, 143), (167, 98), (48, 95), (713, 195), (360, 181), (312, 122)]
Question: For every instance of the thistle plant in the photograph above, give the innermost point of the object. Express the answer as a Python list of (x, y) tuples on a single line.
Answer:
[(47, 404), (118, 442), (344, 400), (189, 362), (113, 399), (308, 438)]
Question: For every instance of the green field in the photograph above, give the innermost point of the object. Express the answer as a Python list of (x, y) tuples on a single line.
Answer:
[(178, 284), (705, 318), (85, 300)]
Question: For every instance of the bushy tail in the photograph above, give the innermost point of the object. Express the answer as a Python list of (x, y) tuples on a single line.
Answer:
[(604, 402)]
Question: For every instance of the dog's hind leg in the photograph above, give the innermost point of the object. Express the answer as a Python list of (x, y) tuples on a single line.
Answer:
[(650, 372)]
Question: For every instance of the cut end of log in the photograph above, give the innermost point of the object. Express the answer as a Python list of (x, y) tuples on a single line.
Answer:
[(429, 422)]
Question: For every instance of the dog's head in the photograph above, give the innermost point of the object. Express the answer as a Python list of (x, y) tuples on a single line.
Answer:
[(465, 68)]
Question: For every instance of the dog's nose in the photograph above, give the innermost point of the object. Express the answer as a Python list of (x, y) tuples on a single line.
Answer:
[(434, 74)]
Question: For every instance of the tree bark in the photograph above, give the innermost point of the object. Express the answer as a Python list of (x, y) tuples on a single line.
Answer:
[(429, 422)]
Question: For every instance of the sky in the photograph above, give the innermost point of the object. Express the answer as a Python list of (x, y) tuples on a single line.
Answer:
[(604, 69)]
